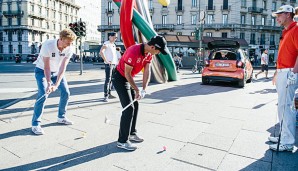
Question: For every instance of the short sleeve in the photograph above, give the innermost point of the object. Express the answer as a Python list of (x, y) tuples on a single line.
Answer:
[(129, 57), (44, 51), (70, 52)]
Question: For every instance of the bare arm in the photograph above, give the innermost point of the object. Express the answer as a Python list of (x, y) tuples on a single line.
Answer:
[(146, 75), (47, 73), (103, 48), (62, 70)]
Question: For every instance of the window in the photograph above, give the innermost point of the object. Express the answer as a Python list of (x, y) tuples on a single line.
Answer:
[(40, 11), (224, 19), (10, 49), (47, 12), (273, 6), (32, 8), (210, 18), (164, 19), (19, 36), (19, 20), (109, 20), (9, 20), (33, 36), (1, 48), (273, 21), (60, 26), (194, 19), (32, 22), (40, 37), (263, 21), (0, 21), (242, 19), (194, 3), (179, 33), (54, 14), (224, 35), (19, 48), (209, 34), (272, 39), (253, 20), (48, 26), (54, 26), (10, 36), (1, 36), (225, 4), (264, 5), (252, 38), (179, 19), (48, 36), (262, 42), (243, 3), (60, 16), (110, 7), (150, 4), (66, 19), (242, 35), (210, 4)]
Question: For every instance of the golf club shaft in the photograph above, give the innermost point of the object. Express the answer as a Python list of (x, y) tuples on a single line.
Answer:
[(128, 105), (41, 97)]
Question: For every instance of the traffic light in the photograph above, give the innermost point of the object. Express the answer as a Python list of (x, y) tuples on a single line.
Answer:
[(79, 28)]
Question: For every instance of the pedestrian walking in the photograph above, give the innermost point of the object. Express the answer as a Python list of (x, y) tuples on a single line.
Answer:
[(135, 58), (285, 79), (109, 56), (177, 60), (49, 73), (264, 64)]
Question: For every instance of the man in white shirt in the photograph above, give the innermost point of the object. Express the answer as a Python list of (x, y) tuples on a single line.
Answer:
[(109, 55), (264, 64), (49, 73)]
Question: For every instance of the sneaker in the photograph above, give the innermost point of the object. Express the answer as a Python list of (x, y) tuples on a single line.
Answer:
[(105, 99), (135, 138), (37, 130), (127, 146), (111, 97), (267, 77), (273, 139), (281, 147), (65, 121)]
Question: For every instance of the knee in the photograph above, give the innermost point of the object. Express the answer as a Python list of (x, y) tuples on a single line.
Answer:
[(65, 94)]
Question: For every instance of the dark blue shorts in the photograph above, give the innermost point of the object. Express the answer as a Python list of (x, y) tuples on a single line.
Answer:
[(264, 67)]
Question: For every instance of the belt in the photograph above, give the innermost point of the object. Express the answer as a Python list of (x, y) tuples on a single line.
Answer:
[(284, 69)]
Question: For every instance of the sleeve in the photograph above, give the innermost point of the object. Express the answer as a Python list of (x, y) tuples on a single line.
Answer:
[(295, 37), (129, 57), (70, 52), (44, 51)]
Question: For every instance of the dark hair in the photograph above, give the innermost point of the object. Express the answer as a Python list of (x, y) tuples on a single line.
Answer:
[(112, 34)]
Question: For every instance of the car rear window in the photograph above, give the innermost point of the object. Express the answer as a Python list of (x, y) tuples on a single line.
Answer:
[(224, 55)]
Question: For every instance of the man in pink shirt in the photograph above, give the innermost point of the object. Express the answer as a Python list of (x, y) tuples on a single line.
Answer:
[(134, 59)]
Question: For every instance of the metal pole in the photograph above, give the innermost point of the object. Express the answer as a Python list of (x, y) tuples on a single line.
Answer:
[(81, 57), (200, 31)]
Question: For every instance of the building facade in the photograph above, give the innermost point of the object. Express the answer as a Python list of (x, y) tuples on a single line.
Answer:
[(244, 19), (25, 24)]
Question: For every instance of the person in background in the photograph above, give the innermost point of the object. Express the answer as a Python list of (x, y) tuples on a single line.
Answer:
[(264, 64), (285, 78), (135, 58), (119, 54), (49, 74), (109, 56), (177, 61)]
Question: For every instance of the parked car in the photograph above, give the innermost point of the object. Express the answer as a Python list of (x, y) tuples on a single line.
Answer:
[(31, 58), (227, 62), (18, 58)]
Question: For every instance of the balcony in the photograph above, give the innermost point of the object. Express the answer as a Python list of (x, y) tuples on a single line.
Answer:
[(109, 11), (158, 27), (12, 13), (37, 15), (179, 9), (208, 8), (255, 10), (103, 28), (13, 27), (226, 8)]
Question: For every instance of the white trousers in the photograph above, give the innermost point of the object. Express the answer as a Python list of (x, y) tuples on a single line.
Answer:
[(286, 107)]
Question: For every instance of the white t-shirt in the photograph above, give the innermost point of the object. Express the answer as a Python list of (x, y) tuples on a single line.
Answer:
[(49, 49), (118, 56), (265, 58), (110, 52)]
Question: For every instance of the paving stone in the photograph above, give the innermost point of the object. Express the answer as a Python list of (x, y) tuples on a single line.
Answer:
[(214, 141)]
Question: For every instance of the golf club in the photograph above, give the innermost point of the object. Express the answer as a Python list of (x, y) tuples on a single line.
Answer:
[(108, 120), (282, 119)]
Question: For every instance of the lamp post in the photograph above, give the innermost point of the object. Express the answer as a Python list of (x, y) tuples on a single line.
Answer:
[(199, 29)]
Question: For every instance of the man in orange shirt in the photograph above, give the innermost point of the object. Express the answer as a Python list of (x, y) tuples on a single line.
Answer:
[(285, 79)]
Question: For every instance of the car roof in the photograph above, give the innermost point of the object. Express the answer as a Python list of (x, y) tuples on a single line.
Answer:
[(223, 44)]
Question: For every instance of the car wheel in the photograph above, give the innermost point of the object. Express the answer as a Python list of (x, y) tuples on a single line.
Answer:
[(241, 83), (205, 80)]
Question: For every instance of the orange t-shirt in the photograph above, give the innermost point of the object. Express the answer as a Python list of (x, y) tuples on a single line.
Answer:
[(288, 47)]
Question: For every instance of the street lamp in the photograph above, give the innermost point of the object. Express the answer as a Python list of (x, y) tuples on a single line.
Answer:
[(199, 30)]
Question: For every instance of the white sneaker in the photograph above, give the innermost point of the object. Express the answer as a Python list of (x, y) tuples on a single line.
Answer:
[(136, 138), (37, 130), (64, 121), (273, 139), (127, 146), (281, 147)]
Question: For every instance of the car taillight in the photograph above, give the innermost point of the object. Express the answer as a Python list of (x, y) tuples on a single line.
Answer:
[(239, 64), (207, 63)]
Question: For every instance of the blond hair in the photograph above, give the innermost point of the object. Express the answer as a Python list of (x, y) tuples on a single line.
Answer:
[(68, 34), (296, 11)]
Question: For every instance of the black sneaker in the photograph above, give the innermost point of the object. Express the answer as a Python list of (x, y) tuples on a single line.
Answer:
[(127, 146)]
